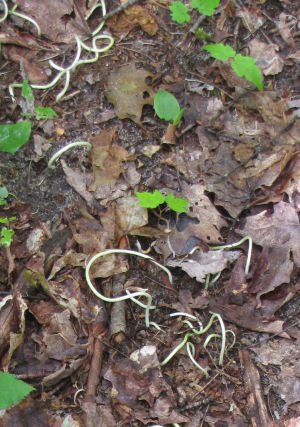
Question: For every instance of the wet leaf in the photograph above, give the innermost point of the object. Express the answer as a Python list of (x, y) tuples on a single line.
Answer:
[(128, 91)]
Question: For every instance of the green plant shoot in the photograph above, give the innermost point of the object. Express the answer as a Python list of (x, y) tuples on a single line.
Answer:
[(243, 66), (12, 390), (167, 107), (153, 200)]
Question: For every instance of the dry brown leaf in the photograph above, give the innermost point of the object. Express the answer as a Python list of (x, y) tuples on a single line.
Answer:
[(128, 91), (201, 263), (57, 19), (107, 156), (133, 16), (272, 269), (279, 229), (285, 24), (267, 58)]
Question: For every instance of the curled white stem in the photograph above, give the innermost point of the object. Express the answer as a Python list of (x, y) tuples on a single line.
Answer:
[(26, 18), (5, 14), (66, 148), (131, 296)]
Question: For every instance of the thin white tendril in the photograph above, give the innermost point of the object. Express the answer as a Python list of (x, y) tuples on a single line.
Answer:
[(5, 14), (66, 148), (131, 296), (26, 18), (80, 46)]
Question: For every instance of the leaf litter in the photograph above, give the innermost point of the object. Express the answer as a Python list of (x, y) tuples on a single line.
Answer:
[(238, 168)]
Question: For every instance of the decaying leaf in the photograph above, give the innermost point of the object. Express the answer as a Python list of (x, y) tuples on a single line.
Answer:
[(132, 17), (107, 156), (139, 390), (201, 263), (279, 229), (128, 91), (267, 58)]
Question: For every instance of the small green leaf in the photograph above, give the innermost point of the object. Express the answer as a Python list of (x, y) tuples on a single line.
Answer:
[(178, 117), (43, 113), (13, 136), (244, 66), (166, 105), (206, 7), (150, 200), (176, 204), (3, 193), (6, 236), (220, 51), (27, 91), (4, 220), (179, 12), (12, 390)]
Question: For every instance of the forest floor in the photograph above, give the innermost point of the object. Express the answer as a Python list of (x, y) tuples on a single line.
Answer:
[(234, 157)]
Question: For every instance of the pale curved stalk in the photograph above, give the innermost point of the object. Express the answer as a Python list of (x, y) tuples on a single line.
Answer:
[(223, 335), (66, 148), (176, 349), (75, 61), (233, 245), (234, 339), (191, 353), (99, 28), (128, 296), (182, 313), (5, 11), (26, 18)]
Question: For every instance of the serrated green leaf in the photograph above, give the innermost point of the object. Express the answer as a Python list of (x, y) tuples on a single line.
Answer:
[(150, 200), (13, 136), (166, 105), (6, 236), (27, 91), (179, 12), (176, 204), (44, 113), (4, 220), (206, 7), (12, 390), (220, 51), (244, 66)]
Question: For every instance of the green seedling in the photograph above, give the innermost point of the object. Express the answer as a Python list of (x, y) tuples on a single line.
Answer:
[(180, 12), (153, 200), (6, 233), (12, 390), (243, 66), (167, 107)]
